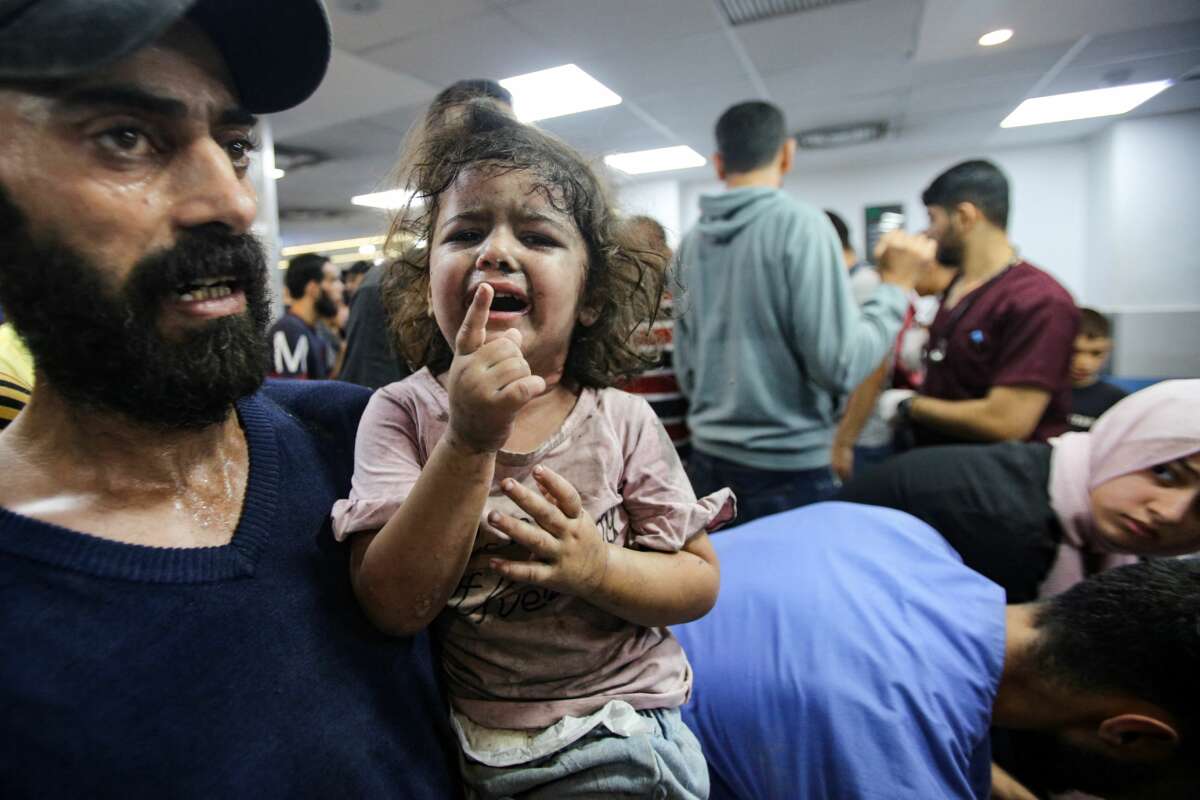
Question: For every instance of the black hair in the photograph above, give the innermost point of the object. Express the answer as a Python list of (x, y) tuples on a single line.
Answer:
[(1133, 630), (1093, 324), (749, 135), (303, 270), (469, 89), (357, 268), (839, 225), (978, 182)]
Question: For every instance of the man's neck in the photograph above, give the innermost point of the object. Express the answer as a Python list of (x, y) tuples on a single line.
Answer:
[(306, 310), (102, 453), (1025, 698), (767, 178), (991, 254)]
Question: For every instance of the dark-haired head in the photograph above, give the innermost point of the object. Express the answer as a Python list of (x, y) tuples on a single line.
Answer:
[(621, 284), (839, 225), (750, 136), (302, 270), (1133, 634), (978, 182), (1093, 324)]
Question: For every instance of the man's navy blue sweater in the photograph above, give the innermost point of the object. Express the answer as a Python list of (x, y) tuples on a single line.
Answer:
[(245, 670)]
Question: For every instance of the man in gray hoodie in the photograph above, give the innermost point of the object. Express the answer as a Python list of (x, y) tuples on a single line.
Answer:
[(769, 337)]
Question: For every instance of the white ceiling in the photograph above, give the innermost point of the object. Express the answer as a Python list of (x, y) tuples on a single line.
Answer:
[(678, 65)]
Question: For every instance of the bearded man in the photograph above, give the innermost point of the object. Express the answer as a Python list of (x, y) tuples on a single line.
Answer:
[(176, 618)]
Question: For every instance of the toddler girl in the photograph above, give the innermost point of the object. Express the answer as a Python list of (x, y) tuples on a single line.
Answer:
[(506, 493)]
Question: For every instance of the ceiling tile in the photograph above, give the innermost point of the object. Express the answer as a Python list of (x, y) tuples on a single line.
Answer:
[(485, 46), (396, 19)]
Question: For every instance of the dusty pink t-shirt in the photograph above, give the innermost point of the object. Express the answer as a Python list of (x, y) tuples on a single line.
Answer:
[(517, 655)]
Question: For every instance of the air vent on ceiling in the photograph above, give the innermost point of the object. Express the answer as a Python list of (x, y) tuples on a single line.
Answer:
[(743, 12), (840, 135)]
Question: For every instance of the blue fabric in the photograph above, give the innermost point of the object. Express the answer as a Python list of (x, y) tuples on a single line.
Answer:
[(245, 670), (850, 655), (664, 764), (760, 492)]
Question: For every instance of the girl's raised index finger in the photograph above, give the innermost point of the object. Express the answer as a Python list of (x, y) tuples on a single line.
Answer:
[(473, 331), (564, 494)]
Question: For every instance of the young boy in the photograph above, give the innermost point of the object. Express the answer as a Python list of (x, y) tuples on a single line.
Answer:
[(1090, 396)]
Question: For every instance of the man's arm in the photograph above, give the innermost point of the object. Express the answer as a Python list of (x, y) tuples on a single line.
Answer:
[(1007, 412), (858, 411), (842, 345)]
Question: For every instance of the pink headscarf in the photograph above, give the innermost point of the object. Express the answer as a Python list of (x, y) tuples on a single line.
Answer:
[(1160, 423)]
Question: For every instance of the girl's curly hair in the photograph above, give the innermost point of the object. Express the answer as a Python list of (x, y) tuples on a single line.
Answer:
[(624, 280)]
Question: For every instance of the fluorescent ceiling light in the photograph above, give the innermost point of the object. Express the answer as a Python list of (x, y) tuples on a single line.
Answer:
[(277, 173), (336, 244), (366, 249), (557, 92), (1082, 105), (660, 160), (391, 200), (996, 37)]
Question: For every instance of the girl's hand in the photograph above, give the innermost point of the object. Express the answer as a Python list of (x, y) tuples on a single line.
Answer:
[(489, 382), (568, 554)]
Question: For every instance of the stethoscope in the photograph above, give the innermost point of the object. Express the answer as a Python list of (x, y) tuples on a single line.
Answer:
[(937, 353)]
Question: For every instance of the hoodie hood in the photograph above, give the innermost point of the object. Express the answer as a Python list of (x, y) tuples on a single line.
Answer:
[(724, 215)]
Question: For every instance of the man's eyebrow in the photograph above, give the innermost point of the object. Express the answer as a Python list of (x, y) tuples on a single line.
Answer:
[(134, 98), (129, 97), (237, 116)]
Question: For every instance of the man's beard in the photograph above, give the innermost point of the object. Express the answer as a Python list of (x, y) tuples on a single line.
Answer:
[(101, 348), (1046, 762), (950, 252), (325, 307)]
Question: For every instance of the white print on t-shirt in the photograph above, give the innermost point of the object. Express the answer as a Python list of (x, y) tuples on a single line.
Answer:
[(288, 362)]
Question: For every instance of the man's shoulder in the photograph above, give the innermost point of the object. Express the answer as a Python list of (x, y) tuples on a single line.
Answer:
[(291, 325), (328, 406), (1035, 285)]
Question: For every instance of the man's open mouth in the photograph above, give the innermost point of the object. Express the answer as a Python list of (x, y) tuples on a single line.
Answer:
[(206, 289)]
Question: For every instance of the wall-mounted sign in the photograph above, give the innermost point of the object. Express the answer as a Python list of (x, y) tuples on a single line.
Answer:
[(878, 221)]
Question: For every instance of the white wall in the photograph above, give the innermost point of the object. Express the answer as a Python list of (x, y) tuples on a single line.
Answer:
[(1149, 246), (658, 199), (1048, 214)]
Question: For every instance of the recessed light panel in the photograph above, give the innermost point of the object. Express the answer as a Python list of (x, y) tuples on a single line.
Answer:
[(1082, 105), (390, 200), (995, 37), (659, 160), (557, 92)]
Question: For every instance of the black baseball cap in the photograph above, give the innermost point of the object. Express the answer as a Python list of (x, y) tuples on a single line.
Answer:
[(276, 50)]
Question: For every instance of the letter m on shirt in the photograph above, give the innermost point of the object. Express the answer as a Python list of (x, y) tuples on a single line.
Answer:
[(291, 357)]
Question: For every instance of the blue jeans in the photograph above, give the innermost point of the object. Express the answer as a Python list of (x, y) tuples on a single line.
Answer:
[(760, 492), (665, 764)]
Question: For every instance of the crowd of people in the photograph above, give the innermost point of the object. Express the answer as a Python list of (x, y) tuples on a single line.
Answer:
[(580, 516)]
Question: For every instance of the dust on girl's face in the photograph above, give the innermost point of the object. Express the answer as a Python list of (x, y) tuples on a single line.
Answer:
[(1153, 511), (499, 227)]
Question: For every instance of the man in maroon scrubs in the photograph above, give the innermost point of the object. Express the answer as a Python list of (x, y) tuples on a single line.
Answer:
[(1000, 347)]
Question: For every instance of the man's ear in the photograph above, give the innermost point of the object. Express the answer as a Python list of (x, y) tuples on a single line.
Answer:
[(312, 290), (719, 165), (788, 156), (965, 216), (1136, 737)]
